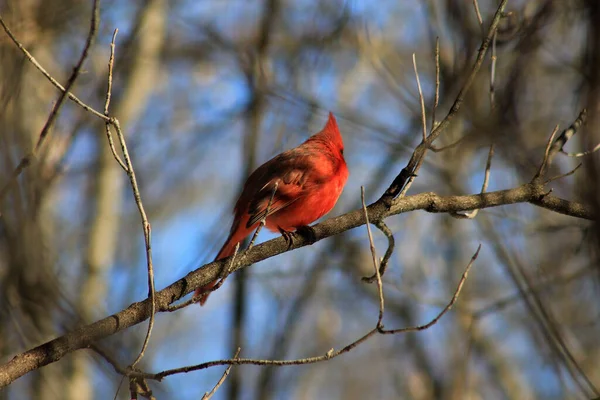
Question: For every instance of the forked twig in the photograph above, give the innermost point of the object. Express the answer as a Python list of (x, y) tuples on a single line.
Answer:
[(445, 310), (388, 253), (111, 61), (48, 76), (473, 213), (310, 360), (127, 165), (374, 258), (27, 159), (542, 170), (210, 394)]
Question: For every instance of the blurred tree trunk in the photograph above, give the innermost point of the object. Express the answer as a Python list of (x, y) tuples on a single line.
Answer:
[(143, 70)]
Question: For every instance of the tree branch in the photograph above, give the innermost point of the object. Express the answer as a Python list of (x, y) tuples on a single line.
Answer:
[(136, 313)]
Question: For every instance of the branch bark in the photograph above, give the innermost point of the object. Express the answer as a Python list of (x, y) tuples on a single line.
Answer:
[(85, 336)]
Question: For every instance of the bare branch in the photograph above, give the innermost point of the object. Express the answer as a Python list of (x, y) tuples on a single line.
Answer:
[(374, 257), (494, 58), (311, 360), (388, 253), (582, 154), (225, 272), (571, 172), (449, 146), (472, 214), (544, 165), (111, 61), (48, 76), (401, 183), (210, 394), (127, 165), (445, 310), (436, 98), (83, 336), (26, 161), (479, 19), (421, 99)]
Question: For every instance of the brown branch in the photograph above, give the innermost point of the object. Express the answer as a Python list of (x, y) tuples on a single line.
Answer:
[(127, 165), (488, 166), (404, 179), (136, 313), (225, 272), (374, 257), (445, 310), (542, 170), (327, 356), (436, 97), (27, 160), (388, 253), (48, 76), (210, 394), (111, 142), (421, 98)]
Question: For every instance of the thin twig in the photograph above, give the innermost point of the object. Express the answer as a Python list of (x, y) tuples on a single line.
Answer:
[(403, 181), (449, 146), (479, 19), (111, 61), (48, 76), (225, 272), (542, 169), (582, 154), (571, 172), (210, 394), (494, 58), (488, 165), (263, 220), (27, 160), (374, 257), (445, 310), (310, 360), (421, 99), (436, 98), (146, 227), (245, 361), (388, 253)]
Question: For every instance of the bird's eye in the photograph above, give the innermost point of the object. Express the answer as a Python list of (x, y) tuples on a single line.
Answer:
[(342, 151)]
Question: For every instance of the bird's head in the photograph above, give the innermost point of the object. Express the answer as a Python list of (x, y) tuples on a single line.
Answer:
[(331, 134)]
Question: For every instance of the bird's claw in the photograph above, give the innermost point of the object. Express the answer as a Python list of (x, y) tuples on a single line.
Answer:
[(307, 232), (288, 236)]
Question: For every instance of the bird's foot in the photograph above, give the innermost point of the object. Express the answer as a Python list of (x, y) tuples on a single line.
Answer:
[(288, 236), (307, 232)]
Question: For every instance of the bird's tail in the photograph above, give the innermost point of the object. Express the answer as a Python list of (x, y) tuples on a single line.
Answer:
[(239, 231)]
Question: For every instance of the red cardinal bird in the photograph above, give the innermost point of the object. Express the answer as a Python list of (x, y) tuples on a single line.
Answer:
[(309, 178)]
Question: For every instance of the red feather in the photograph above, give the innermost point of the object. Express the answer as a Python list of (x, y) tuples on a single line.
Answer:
[(310, 179)]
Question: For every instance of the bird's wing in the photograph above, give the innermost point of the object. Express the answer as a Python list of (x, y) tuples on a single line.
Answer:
[(290, 176)]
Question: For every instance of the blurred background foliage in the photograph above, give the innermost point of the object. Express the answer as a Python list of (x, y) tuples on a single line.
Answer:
[(208, 90)]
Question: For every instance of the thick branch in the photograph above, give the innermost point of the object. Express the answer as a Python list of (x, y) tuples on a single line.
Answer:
[(136, 313)]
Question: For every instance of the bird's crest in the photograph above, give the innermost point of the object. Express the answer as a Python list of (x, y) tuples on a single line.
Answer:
[(332, 132)]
